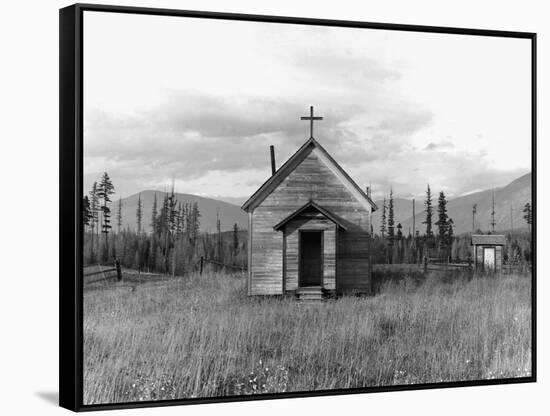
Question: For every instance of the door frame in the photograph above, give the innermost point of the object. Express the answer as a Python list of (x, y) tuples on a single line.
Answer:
[(322, 232), (485, 268)]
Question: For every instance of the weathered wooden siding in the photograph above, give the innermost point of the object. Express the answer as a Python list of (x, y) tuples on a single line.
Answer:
[(479, 257), (313, 180), (291, 236), (498, 258)]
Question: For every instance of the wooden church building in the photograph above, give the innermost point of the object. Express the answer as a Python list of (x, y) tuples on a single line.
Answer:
[(309, 228)]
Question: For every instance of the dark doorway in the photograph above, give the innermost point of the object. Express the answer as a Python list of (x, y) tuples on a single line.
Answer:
[(311, 258)]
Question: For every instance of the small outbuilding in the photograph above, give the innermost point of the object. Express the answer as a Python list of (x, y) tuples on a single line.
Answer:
[(309, 229), (488, 251)]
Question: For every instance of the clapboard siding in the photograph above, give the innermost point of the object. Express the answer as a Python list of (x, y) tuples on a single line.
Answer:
[(347, 267)]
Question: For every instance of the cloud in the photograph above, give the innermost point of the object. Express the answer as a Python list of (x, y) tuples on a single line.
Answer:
[(191, 134), (439, 145), (455, 173)]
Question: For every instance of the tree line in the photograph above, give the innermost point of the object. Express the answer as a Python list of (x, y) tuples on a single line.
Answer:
[(438, 240), (173, 245)]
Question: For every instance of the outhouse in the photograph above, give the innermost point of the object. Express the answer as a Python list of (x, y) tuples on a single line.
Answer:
[(488, 251)]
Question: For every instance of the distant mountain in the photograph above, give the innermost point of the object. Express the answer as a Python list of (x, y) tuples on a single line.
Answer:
[(514, 195), (509, 203), (208, 207)]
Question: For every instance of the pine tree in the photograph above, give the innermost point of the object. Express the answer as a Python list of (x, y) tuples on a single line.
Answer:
[(153, 246), (172, 213), (391, 229), (105, 190), (219, 231), (442, 221), (179, 221), (429, 212), (400, 232), (119, 215), (188, 215), (86, 213), (94, 220), (154, 214), (139, 214), (172, 227), (195, 223), (383, 228)]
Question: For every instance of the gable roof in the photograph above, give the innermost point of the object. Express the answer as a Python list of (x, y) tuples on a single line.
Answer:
[(490, 239), (277, 178), (313, 205)]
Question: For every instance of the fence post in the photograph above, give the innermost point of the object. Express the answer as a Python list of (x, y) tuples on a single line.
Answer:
[(202, 263), (118, 270), (425, 264)]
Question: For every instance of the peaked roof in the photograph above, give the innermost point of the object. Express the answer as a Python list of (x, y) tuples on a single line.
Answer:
[(289, 166), (311, 204), (494, 239)]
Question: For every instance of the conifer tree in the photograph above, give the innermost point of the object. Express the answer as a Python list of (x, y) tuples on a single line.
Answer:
[(195, 223), (154, 214), (94, 220), (179, 220), (153, 245), (139, 214), (429, 213), (86, 213), (104, 192), (383, 228), (219, 231), (119, 215), (442, 220), (391, 229), (400, 232), (172, 213)]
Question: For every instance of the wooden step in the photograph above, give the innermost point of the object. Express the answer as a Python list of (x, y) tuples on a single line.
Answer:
[(310, 289), (310, 294)]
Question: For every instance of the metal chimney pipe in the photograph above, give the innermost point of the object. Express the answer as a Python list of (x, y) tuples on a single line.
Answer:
[(272, 151)]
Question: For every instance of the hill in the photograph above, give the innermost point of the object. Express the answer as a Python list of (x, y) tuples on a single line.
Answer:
[(514, 195), (208, 207), (509, 203)]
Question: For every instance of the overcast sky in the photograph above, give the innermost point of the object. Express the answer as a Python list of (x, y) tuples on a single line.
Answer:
[(201, 100)]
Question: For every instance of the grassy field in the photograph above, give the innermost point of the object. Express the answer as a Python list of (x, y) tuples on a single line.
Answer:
[(202, 336)]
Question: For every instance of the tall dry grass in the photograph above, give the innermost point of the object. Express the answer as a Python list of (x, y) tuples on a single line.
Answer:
[(201, 337)]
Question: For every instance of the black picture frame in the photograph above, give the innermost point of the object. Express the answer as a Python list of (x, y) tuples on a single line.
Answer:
[(71, 186)]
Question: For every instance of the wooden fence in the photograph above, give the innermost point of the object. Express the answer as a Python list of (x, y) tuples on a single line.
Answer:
[(204, 260), (432, 265), (106, 274)]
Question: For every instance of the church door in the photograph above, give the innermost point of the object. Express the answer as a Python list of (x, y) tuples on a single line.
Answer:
[(311, 258)]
